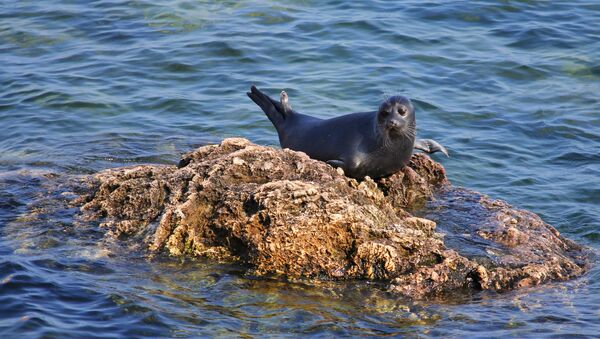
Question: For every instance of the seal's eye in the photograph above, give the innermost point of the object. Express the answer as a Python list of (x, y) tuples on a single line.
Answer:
[(402, 111), (384, 113)]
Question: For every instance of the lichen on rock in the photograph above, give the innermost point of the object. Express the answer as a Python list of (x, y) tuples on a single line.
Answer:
[(281, 213)]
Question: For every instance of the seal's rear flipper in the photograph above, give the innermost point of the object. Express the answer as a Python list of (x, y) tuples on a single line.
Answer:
[(272, 108), (285, 103), (430, 146)]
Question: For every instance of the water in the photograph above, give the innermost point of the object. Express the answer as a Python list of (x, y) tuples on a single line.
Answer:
[(510, 87)]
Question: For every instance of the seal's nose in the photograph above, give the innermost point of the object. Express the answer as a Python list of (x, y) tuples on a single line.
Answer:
[(394, 124)]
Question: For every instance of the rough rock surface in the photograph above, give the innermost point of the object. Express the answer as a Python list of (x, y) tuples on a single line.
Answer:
[(284, 214)]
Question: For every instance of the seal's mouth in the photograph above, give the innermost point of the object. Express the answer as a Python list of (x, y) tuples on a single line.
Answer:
[(394, 126)]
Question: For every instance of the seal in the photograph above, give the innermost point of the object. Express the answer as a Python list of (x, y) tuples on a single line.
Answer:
[(374, 144)]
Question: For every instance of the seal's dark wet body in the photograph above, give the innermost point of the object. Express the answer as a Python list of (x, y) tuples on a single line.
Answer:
[(372, 144), (352, 139)]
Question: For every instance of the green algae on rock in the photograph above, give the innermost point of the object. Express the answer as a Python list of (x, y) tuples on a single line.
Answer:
[(281, 213)]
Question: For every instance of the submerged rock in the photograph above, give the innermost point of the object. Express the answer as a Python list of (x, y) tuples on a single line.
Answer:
[(281, 213)]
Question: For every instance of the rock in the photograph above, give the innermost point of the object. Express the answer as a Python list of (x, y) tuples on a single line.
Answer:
[(283, 214)]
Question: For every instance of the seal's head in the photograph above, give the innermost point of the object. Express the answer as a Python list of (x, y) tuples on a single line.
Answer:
[(396, 117)]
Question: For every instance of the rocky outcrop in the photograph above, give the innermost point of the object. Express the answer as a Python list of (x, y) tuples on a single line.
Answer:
[(283, 214)]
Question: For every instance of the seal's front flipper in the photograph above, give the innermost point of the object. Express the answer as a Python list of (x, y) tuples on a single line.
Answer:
[(272, 108), (430, 146), (335, 163)]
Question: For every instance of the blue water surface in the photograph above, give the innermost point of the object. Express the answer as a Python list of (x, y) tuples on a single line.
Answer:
[(511, 88)]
